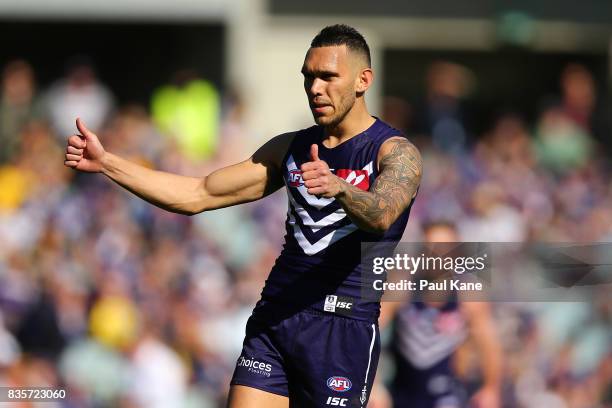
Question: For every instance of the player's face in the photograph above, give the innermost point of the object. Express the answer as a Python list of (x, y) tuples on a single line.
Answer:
[(441, 234), (329, 81)]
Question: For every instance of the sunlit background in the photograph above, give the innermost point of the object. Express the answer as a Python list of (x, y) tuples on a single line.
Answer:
[(126, 305)]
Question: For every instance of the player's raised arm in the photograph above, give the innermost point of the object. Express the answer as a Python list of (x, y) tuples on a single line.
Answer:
[(375, 210), (249, 180)]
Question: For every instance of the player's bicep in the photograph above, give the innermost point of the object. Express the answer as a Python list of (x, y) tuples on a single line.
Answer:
[(400, 167), (234, 184), (246, 181)]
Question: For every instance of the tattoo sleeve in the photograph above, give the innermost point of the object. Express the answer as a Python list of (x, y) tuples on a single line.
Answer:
[(391, 193)]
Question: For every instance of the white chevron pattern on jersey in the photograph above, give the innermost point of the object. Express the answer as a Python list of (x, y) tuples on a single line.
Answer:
[(318, 203), (422, 344), (327, 240)]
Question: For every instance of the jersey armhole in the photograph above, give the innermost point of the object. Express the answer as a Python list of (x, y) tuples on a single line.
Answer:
[(298, 137), (290, 146)]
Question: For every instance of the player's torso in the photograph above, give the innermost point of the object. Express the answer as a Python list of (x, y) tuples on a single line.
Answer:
[(316, 223), (426, 337), (424, 340), (321, 255)]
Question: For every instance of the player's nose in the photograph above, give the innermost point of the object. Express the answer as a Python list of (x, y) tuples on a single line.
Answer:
[(316, 87)]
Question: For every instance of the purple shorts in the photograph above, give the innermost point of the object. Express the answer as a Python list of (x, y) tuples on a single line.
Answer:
[(315, 358)]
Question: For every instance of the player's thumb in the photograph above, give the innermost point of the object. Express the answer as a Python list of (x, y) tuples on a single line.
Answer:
[(314, 152), (88, 134)]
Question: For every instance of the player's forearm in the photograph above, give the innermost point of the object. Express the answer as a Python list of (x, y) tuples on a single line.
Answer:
[(179, 194), (368, 210), (491, 365), (487, 340)]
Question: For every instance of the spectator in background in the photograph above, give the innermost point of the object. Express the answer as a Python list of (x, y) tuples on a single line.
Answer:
[(80, 93), (567, 131), (9, 348), (18, 106), (132, 132), (562, 144), (507, 150), (492, 217), (444, 115), (235, 137), (188, 111), (30, 175), (159, 378), (579, 98), (398, 113)]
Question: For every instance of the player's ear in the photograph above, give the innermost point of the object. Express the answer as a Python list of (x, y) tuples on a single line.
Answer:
[(364, 80)]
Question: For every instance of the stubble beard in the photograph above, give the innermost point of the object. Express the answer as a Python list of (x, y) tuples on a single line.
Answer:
[(345, 107)]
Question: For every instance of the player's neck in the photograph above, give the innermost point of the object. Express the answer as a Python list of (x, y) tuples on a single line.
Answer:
[(355, 122)]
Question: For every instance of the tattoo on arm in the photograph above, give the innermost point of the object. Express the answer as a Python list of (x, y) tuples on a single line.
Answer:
[(391, 193)]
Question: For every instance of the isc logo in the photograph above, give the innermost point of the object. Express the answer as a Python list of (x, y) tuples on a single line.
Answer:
[(344, 305), (338, 304), (295, 178), (336, 401), (339, 384)]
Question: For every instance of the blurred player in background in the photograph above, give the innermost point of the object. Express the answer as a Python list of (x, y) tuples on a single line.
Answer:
[(311, 340), (426, 335)]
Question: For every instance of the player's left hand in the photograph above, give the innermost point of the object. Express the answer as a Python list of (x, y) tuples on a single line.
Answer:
[(486, 398), (318, 178)]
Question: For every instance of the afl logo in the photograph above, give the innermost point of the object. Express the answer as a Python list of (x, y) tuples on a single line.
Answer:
[(339, 384), (295, 178)]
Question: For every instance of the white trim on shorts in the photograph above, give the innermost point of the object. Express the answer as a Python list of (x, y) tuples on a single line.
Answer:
[(364, 391)]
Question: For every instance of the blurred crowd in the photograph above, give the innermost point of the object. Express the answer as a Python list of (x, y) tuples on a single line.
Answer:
[(126, 305)]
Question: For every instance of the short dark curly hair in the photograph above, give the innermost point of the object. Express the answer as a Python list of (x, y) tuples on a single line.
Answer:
[(342, 34)]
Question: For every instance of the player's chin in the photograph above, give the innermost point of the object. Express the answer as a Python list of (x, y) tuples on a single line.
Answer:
[(323, 120)]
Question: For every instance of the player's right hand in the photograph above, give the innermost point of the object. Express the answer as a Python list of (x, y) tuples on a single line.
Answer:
[(84, 151), (318, 178)]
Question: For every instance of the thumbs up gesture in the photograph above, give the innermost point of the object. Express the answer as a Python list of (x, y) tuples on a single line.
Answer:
[(317, 176), (84, 151)]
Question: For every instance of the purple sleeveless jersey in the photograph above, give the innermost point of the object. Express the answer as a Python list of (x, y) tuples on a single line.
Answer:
[(321, 256)]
